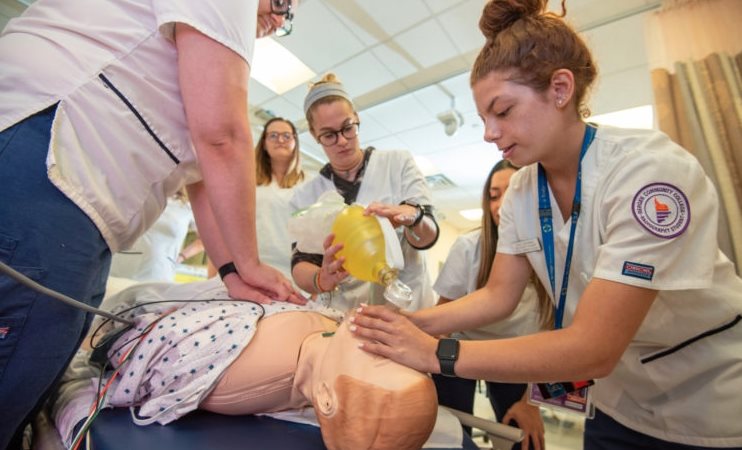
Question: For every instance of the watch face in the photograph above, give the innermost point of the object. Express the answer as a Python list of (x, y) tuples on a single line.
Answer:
[(448, 348)]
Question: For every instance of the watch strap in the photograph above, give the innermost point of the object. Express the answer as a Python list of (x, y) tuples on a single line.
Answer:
[(448, 359), (226, 269)]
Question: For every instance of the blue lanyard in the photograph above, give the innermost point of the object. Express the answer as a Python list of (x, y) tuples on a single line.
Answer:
[(547, 230)]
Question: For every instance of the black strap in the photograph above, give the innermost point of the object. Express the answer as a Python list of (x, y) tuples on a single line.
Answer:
[(226, 269)]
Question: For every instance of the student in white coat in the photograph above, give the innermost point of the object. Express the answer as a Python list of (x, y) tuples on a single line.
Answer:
[(388, 182), (624, 222), (467, 269), (278, 174)]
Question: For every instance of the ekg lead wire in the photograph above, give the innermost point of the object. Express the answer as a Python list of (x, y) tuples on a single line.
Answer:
[(24, 280)]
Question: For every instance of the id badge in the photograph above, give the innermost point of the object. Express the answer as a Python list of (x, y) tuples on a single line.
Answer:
[(572, 396)]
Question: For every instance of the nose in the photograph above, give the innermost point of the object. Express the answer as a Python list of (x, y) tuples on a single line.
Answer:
[(492, 132)]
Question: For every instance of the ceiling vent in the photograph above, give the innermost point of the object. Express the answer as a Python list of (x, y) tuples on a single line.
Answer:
[(439, 181)]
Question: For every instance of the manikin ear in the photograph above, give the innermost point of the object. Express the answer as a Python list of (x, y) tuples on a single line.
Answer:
[(562, 87), (325, 400)]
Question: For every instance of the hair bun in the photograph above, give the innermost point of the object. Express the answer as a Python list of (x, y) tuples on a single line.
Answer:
[(501, 14)]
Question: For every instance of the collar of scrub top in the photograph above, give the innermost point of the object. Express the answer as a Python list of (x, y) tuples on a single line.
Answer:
[(547, 230)]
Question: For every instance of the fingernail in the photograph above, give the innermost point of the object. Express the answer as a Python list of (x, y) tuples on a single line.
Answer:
[(360, 345), (363, 305), (353, 328), (352, 319)]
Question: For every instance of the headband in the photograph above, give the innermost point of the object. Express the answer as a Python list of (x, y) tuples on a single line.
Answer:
[(322, 90)]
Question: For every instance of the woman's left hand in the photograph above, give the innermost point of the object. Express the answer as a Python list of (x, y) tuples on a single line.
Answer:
[(398, 215), (390, 334), (529, 420)]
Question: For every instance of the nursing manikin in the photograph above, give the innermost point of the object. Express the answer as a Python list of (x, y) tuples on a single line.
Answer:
[(206, 351)]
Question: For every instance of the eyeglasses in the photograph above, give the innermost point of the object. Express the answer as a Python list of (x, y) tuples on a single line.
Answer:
[(283, 8), (275, 136), (348, 131)]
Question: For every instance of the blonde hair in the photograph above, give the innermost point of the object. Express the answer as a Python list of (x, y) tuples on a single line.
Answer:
[(329, 89), (524, 38), (263, 167)]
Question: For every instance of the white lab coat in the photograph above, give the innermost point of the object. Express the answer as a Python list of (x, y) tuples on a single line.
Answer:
[(666, 384), (391, 177), (153, 256), (271, 218), (458, 277)]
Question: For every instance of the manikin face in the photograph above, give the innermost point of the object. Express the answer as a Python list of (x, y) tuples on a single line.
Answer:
[(369, 402), (330, 117), (280, 141), (498, 185), (519, 120)]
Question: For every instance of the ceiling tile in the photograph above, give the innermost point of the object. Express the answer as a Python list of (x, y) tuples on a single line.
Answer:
[(280, 107), (427, 43), (462, 25), (401, 113), (396, 63), (371, 128), (394, 16), (257, 93), (363, 73), (321, 43)]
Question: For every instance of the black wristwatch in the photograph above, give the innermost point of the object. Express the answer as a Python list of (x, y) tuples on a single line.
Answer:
[(226, 269), (448, 353)]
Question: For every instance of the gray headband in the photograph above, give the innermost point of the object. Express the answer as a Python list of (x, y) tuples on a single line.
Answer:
[(323, 90)]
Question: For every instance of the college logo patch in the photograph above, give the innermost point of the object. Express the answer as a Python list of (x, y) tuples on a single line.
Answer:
[(637, 270), (662, 209)]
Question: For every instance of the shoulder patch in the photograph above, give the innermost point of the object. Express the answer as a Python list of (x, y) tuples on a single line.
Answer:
[(662, 209), (636, 270)]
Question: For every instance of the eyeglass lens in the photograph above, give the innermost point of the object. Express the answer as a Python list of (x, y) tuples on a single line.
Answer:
[(349, 131), (274, 136)]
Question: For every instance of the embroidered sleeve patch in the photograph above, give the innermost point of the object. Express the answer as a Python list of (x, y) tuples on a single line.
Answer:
[(637, 270), (662, 209)]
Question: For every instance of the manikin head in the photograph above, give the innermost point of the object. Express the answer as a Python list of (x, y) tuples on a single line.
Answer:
[(368, 402)]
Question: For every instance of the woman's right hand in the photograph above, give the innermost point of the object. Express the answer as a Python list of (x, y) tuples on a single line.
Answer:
[(332, 271), (262, 284)]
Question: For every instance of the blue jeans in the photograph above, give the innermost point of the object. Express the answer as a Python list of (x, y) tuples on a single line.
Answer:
[(49, 239), (604, 433)]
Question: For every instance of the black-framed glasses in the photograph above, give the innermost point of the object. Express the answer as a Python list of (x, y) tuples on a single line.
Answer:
[(275, 136), (349, 131), (283, 8)]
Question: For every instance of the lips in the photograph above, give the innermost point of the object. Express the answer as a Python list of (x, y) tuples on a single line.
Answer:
[(507, 151)]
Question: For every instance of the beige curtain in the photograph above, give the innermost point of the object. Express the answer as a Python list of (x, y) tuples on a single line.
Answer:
[(694, 48)]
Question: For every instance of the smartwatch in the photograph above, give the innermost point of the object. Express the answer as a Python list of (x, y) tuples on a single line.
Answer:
[(448, 353)]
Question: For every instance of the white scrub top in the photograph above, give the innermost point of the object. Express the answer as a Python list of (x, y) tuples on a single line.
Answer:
[(458, 277), (120, 144), (391, 177), (272, 217), (153, 256), (649, 219)]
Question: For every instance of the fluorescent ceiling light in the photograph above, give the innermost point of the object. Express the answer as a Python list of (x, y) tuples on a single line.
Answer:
[(472, 214), (277, 68), (639, 117)]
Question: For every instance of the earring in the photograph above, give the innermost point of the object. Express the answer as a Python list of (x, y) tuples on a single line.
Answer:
[(560, 100)]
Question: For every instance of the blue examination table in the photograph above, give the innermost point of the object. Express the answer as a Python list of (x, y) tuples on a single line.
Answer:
[(113, 429)]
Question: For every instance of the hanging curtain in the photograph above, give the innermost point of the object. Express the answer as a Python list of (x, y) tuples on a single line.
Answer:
[(695, 53)]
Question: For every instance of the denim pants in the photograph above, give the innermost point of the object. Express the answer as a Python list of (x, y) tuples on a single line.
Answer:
[(50, 240)]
